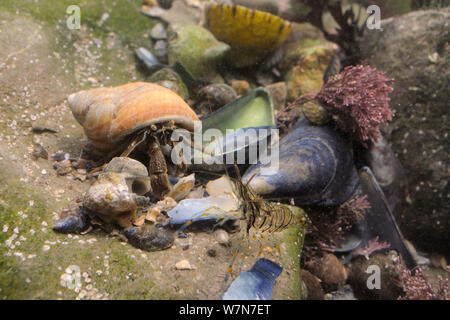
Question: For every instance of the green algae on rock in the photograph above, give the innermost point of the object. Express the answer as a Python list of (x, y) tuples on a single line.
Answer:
[(168, 78), (304, 64), (198, 50)]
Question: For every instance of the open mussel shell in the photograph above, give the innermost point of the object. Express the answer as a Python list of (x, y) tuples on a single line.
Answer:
[(379, 220), (388, 171), (255, 109), (251, 119), (255, 284), (314, 166)]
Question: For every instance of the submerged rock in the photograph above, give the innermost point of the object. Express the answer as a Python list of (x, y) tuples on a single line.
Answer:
[(388, 287), (198, 50), (278, 91), (158, 32), (329, 269), (418, 132), (169, 79), (214, 96), (304, 65), (313, 286)]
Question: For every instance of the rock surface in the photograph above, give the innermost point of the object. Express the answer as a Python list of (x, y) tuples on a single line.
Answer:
[(328, 269), (364, 271), (197, 49), (414, 50), (304, 65)]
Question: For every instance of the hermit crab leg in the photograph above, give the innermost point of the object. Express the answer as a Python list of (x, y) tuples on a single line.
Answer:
[(157, 169), (135, 143)]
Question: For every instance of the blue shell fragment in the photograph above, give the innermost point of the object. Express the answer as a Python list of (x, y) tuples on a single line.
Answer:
[(255, 284)]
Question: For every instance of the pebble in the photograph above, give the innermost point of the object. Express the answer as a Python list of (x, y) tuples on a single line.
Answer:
[(158, 32), (46, 248), (240, 86), (64, 279), (221, 236), (183, 265), (160, 49), (39, 151)]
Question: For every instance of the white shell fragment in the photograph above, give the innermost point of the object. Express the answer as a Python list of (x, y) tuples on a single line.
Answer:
[(210, 208), (182, 188)]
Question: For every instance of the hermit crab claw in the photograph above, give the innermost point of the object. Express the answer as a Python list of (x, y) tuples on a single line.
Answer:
[(118, 191)]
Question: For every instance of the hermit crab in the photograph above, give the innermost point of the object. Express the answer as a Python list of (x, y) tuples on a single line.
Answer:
[(118, 120)]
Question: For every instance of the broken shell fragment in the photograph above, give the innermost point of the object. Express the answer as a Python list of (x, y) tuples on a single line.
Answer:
[(223, 208), (222, 236), (39, 151), (183, 265), (182, 188), (255, 284), (134, 173), (220, 187)]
